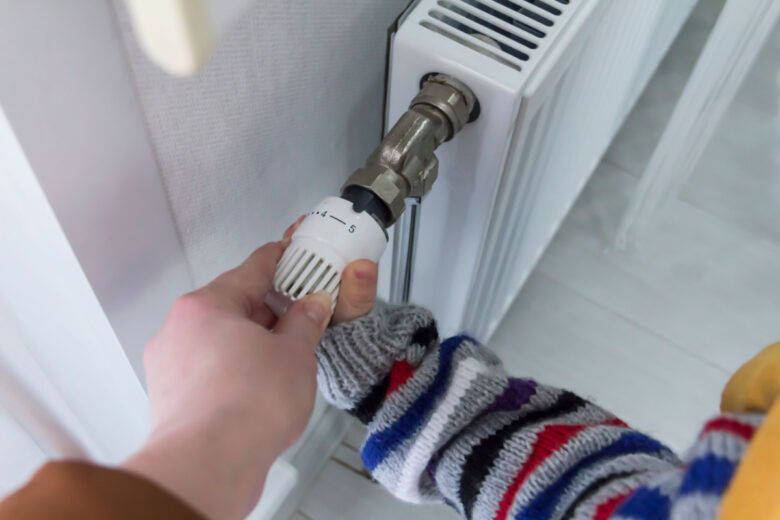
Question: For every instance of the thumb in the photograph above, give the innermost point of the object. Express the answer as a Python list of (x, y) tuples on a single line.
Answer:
[(306, 319), (358, 291)]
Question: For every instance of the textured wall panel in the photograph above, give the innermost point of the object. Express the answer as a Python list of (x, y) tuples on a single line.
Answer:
[(288, 106), (68, 93)]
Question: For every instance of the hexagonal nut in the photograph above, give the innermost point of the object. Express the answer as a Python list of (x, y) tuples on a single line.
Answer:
[(421, 173), (450, 96), (385, 183)]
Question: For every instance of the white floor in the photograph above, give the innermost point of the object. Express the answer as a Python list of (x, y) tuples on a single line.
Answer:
[(654, 334)]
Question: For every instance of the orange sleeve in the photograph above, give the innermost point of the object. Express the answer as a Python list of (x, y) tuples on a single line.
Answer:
[(76, 490)]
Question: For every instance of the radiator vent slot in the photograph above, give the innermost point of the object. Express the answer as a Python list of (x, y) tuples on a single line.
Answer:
[(508, 31)]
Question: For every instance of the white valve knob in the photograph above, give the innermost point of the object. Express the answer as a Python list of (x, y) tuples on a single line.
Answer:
[(330, 237)]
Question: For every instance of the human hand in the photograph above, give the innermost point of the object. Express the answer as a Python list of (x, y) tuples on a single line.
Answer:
[(357, 293), (231, 387)]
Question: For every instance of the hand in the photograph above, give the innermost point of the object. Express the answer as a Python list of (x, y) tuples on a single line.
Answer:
[(231, 387), (358, 285)]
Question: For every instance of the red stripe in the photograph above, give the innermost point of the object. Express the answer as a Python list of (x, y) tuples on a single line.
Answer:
[(729, 425), (615, 422), (606, 508), (399, 374), (549, 440)]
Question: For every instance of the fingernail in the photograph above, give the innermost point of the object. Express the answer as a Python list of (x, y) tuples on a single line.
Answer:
[(289, 231), (364, 275), (285, 242), (317, 307)]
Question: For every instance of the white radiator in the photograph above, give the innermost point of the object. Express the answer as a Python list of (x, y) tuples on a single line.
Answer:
[(555, 80)]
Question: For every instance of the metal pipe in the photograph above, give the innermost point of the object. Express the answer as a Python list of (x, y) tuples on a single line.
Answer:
[(404, 164)]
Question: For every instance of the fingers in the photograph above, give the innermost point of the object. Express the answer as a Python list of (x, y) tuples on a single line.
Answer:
[(306, 320), (287, 237), (244, 288), (358, 291)]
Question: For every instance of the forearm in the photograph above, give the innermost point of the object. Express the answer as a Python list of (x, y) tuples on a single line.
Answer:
[(223, 481), (77, 490), (446, 423), (187, 472)]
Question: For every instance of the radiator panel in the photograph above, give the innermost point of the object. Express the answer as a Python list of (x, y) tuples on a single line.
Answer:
[(508, 180)]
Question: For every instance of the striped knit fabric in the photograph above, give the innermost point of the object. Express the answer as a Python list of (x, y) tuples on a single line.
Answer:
[(447, 424)]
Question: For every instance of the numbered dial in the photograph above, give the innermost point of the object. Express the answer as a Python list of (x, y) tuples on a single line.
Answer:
[(351, 228), (331, 236)]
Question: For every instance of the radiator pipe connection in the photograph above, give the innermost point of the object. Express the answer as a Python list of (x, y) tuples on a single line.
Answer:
[(404, 164)]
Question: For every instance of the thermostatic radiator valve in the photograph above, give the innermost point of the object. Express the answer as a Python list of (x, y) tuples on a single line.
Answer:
[(340, 230)]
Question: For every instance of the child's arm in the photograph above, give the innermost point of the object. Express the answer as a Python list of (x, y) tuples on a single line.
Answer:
[(447, 424)]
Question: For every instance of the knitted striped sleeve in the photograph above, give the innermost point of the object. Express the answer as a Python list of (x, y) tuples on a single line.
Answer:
[(447, 424)]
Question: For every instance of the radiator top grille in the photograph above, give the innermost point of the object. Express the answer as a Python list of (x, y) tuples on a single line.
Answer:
[(508, 31)]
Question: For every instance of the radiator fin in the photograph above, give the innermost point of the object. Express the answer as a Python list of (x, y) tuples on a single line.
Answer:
[(552, 158), (508, 31)]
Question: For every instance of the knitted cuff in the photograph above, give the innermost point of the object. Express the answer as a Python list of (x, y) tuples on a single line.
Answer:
[(354, 356)]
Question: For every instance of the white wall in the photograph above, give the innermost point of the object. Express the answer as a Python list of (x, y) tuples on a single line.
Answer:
[(289, 105), (68, 93), (63, 375)]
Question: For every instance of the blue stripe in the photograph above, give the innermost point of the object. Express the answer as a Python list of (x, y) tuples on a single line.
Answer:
[(646, 504), (709, 474), (630, 442), (379, 445)]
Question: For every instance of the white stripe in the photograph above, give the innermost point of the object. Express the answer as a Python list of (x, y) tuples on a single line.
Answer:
[(696, 506), (427, 442), (723, 444)]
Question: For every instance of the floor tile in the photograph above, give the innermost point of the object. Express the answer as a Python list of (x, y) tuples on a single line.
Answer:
[(563, 339), (342, 494)]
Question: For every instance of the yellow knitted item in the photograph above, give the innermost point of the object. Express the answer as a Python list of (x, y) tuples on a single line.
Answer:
[(753, 491), (756, 385)]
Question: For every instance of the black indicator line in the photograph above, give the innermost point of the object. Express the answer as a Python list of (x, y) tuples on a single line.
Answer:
[(336, 218)]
